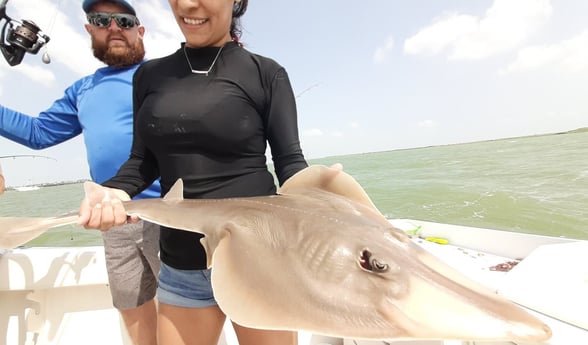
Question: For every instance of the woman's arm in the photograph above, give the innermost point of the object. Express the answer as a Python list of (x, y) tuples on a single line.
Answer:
[(141, 169), (282, 128)]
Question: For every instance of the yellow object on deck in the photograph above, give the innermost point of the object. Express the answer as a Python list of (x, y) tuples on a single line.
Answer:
[(437, 240)]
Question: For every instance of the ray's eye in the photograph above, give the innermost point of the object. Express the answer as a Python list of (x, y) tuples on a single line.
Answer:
[(369, 263)]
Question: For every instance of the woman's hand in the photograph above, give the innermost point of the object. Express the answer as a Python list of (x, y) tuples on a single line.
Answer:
[(102, 208)]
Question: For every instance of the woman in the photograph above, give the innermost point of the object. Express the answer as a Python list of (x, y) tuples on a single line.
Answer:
[(204, 114)]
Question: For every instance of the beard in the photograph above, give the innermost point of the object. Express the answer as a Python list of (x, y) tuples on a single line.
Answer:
[(119, 56)]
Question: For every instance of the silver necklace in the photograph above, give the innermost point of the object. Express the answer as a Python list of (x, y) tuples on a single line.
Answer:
[(201, 72)]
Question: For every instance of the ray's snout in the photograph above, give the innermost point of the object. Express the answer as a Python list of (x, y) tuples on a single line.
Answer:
[(441, 303)]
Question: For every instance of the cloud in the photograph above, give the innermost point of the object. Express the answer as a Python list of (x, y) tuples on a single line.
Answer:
[(159, 18), (570, 56), (443, 33), (162, 34), (382, 52), (505, 24), (312, 132), (427, 124), (36, 73)]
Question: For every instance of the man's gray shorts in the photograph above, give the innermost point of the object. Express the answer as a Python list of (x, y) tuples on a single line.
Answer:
[(132, 262)]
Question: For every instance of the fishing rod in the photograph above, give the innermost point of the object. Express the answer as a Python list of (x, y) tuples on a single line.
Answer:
[(20, 37), (307, 89), (27, 156)]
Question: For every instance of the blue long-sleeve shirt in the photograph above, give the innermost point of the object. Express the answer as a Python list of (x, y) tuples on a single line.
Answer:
[(99, 106)]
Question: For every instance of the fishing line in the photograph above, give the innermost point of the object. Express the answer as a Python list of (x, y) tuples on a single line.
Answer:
[(306, 90), (54, 17), (27, 156), (46, 58)]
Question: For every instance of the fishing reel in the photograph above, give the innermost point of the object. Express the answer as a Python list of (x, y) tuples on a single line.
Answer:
[(18, 38)]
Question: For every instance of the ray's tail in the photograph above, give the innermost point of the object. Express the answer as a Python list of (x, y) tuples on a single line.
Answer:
[(16, 231)]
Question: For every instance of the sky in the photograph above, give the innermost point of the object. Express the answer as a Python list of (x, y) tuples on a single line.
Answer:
[(369, 76)]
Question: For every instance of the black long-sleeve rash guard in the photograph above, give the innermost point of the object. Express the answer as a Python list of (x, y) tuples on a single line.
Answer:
[(211, 131)]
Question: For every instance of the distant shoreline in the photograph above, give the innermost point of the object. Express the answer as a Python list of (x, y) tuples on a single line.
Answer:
[(48, 184), (577, 130), (573, 131)]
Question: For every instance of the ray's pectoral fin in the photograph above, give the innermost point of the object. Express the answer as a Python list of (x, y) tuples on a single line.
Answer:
[(239, 288), (330, 179)]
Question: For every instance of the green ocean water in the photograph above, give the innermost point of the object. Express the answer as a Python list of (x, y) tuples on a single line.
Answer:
[(533, 184)]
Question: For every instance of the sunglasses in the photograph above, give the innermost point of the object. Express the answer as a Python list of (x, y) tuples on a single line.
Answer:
[(103, 19)]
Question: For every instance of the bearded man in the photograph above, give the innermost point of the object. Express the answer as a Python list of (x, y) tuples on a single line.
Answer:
[(100, 107)]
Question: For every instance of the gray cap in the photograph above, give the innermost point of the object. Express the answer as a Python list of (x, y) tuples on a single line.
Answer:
[(88, 4)]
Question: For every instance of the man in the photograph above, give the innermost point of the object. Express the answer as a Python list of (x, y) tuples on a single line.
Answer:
[(100, 107)]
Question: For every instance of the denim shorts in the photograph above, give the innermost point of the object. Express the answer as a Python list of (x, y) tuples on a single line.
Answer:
[(185, 288)]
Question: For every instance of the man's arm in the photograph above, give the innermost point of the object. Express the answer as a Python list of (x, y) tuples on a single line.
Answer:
[(51, 127)]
